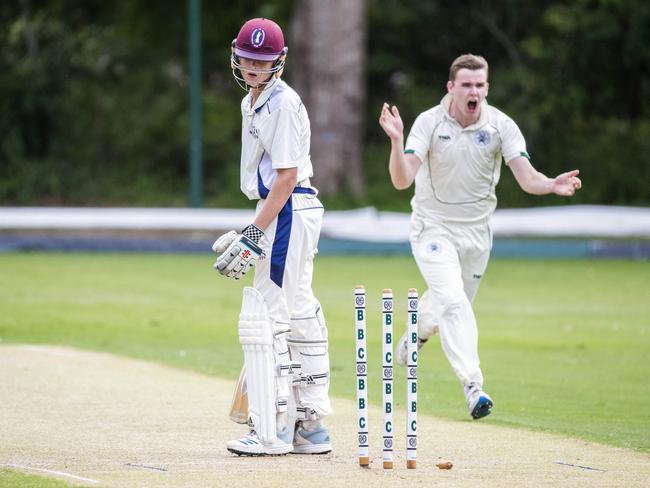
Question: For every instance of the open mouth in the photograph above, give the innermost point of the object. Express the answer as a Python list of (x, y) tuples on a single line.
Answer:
[(471, 105), (251, 78)]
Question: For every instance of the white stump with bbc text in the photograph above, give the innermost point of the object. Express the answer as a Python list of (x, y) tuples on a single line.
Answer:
[(362, 374), (387, 376), (412, 379)]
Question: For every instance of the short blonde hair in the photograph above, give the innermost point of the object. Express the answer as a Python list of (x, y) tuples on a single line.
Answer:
[(467, 61)]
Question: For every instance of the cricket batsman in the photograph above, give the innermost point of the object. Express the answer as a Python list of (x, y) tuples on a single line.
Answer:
[(282, 328)]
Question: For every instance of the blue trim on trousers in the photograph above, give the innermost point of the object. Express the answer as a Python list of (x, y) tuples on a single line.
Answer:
[(282, 230)]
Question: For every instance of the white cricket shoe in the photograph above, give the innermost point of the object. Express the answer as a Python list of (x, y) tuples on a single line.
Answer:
[(402, 348), (314, 441), (479, 403), (251, 445)]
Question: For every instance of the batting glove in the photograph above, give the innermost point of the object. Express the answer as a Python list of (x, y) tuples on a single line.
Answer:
[(239, 252)]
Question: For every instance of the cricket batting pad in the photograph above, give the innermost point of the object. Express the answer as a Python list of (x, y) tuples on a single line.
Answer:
[(309, 347), (256, 339)]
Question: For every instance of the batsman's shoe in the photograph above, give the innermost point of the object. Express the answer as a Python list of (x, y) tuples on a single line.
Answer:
[(402, 349), (316, 441), (479, 403), (251, 445)]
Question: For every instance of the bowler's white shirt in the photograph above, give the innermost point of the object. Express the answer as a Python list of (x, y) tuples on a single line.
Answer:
[(275, 135), (461, 166)]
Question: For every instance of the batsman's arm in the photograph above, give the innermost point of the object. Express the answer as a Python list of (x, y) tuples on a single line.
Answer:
[(239, 252), (279, 193)]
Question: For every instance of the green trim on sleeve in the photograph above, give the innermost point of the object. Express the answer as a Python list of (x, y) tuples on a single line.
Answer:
[(525, 154), (409, 151)]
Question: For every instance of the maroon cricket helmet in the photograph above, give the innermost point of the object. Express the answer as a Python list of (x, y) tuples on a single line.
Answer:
[(260, 39)]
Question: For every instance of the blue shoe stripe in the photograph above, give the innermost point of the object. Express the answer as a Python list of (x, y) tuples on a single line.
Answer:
[(482, 408)]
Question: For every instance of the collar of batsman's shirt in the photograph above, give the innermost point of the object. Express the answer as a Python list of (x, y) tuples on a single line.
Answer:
[(264, 96)]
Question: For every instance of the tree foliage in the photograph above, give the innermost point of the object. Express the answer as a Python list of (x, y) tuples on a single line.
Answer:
[(93, 95)]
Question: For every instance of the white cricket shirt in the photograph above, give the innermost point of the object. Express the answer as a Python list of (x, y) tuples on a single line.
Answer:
[(460, 166), (275, 134)]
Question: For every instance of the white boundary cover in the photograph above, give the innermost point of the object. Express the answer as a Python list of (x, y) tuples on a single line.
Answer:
[(365, 224)]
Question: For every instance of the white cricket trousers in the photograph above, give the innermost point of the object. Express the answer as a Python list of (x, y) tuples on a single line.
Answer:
[(452, 259), (284, 279)]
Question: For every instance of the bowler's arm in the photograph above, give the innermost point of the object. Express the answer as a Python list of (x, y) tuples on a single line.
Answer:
[(402, 167), (532, 181)]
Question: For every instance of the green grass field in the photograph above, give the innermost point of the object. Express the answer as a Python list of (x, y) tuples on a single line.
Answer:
[(564, 344), (13, 479)]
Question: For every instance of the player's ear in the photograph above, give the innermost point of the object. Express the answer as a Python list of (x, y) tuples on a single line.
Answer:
[(280, 61), (450, 86)]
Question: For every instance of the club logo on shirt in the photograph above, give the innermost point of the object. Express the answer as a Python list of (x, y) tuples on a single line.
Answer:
[(482, 138), (434, 248), (254, 131), (257, 37)]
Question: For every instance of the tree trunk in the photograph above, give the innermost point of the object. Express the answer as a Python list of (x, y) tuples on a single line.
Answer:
[(327, 67), (30, 37)]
